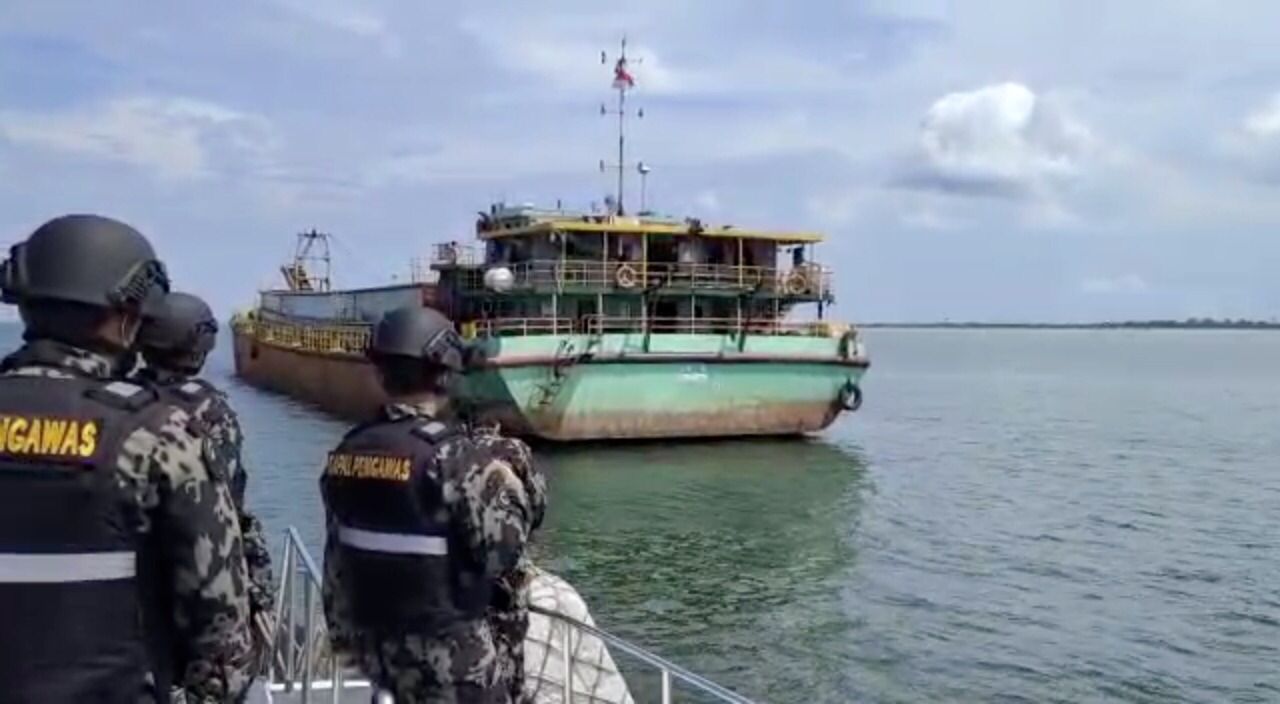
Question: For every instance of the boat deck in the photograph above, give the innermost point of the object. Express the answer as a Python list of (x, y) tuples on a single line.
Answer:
[(302, 669)]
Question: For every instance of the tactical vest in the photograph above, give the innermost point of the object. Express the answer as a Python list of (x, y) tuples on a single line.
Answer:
[(403, 569), (72, 605)]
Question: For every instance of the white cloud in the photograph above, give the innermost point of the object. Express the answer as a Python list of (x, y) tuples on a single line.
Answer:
[(176, 138), (563, 51), (570, 61), (1265, 121), (1001, 139), (927, 219), (1126, 283), (1250, 149), (708, 201), (931, 10), (475, 158), (347, 18), (836, 208)]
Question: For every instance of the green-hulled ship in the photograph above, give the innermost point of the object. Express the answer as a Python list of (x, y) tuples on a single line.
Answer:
[(597, 325)]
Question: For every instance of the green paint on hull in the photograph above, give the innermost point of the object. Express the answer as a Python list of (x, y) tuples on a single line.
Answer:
[(640, 344), (576, 388), (610, 387)]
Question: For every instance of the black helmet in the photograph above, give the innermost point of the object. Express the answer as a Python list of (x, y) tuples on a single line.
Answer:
[(419, 333), (182, 324), (84, 259)]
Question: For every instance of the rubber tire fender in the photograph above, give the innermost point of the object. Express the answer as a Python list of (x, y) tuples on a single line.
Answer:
[(850, 396)]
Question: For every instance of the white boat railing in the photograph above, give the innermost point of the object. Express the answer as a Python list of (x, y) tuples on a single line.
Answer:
[(670, 674), (300, 667)]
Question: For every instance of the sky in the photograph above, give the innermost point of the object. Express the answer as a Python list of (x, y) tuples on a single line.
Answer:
[(999, 160)]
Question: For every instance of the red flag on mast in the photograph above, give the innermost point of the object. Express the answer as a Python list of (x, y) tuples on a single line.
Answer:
[(621, 77)]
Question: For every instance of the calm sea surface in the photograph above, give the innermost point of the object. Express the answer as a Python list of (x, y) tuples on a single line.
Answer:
[(1013, 516)]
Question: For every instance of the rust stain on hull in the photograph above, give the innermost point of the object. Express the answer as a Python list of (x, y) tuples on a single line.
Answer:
[(347, 386), (344, 385), (782, 418)]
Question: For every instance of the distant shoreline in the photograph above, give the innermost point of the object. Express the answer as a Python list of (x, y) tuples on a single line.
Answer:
[(1197, 324)]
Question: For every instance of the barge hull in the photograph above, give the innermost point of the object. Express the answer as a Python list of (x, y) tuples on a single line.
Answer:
[(671, 395), (344, 385), (612, 401)]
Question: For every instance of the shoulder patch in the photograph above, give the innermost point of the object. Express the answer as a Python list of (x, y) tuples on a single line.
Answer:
[(431, 430), (124, 395), (123, 389)]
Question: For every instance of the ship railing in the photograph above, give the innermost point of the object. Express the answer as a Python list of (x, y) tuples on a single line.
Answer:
[(448, 254), (420, 271), (300, 666), (600, 324), (494, 327), (807, 280), (324, 339), (671, 677)]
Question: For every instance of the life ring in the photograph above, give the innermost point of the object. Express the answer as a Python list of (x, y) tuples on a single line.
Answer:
[(627, 276), (797, 283), (850, 396)]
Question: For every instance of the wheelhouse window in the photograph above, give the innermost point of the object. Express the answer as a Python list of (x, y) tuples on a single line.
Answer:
[(584, 245), (662, 249), (626, 248), (690, 250)]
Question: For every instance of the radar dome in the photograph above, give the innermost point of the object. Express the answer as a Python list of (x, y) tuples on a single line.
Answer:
[(499, 279)]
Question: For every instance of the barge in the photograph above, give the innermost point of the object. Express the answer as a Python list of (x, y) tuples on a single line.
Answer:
[(596, 325)]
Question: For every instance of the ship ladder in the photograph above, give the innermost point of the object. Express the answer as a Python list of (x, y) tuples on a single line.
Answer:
[(558, 374), (565, 358)]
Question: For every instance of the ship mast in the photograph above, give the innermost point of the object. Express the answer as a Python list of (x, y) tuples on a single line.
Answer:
[(622, 82), (312, 250)]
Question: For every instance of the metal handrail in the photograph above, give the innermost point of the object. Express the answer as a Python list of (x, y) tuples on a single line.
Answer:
[(519, 326), (808, 279), (730, 325), (322, 338), (601, 324), (301, 665), (457, 254), (667, 670), (309, 666)]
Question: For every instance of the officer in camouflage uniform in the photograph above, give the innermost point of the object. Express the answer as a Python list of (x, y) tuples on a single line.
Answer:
[(509, 610), (424, 518), (174, 341), (121, 567)]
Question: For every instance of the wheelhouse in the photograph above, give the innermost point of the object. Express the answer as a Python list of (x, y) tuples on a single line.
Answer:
[(539, 271)]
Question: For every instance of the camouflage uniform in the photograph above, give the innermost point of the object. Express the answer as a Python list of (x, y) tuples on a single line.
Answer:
[(176, 493), (509, 613), (487, 500), (224, 443)]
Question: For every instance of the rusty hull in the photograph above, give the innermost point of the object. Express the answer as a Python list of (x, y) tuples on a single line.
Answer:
[(344, 385)]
